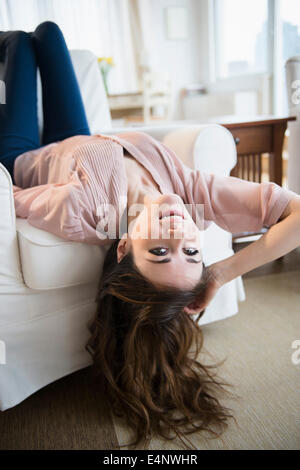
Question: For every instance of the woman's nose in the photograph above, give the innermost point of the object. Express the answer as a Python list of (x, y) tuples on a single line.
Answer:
[(183, 232), (177, 231), (180, 232)]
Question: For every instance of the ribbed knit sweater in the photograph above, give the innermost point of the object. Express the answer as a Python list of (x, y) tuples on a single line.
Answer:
[(61, 186)]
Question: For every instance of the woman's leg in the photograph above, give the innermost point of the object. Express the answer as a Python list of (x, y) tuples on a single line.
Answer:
[(64, 114), (18, 116)]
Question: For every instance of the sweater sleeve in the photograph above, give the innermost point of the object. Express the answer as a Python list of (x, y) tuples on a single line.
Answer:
[(50, 207), (237, 205)]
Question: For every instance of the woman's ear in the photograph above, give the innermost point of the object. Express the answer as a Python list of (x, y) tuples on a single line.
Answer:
[(123, 247), (193, 308)]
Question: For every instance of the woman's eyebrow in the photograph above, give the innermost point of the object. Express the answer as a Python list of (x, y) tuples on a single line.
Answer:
[(168, 260)]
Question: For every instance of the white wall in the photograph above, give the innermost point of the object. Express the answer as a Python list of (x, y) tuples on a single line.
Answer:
[(178, 57)]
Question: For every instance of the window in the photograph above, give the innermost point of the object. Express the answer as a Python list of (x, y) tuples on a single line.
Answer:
[(241, 37), (290, 28)]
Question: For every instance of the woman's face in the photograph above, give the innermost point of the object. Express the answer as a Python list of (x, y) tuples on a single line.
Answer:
[(165, 243)]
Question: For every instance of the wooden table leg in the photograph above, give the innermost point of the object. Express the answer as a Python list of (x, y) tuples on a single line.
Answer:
[(275, 158)]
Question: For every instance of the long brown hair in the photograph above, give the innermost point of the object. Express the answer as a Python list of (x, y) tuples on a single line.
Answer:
[(141, 345)]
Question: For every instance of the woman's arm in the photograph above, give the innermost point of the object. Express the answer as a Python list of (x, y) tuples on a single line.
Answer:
[(51, 207), (280, 239), (237, 205)]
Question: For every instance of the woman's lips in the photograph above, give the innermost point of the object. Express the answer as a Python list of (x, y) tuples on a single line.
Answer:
[(171, 213)]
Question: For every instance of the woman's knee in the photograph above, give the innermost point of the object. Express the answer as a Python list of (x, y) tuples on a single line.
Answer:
[(21, 38), (47, 28), (13, 41)]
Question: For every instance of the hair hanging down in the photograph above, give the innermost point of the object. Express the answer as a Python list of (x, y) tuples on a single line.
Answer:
[(140, 343)]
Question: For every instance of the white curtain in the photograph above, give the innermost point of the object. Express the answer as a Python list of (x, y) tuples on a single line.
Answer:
[(142, 31), (117, 28)]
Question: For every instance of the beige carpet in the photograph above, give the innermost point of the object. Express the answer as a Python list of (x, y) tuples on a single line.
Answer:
[(258, 345)]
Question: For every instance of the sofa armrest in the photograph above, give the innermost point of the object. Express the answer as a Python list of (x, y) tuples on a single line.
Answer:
[(10, 269), (7, 208), (207, 147), (46, 259)]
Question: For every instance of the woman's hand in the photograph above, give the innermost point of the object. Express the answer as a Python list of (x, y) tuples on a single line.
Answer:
[(213, 285), (215, 281)]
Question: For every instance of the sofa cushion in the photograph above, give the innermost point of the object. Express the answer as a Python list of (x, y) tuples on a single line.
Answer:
[(49, 262)]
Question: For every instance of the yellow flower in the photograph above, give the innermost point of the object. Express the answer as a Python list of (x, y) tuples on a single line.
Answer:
[(108, 60)]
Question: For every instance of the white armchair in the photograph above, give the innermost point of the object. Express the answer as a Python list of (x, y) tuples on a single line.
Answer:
[(48, 285)]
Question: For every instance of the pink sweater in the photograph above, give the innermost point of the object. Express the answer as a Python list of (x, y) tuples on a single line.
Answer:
[(59, 186)]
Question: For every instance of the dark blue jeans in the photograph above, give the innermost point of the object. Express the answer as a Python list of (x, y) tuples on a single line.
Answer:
[(63, 110)]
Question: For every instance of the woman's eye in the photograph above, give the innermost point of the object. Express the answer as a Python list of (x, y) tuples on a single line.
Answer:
[(190, 251), (159, 251)]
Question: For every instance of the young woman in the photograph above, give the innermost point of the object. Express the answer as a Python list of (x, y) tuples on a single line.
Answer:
[(131, 192)]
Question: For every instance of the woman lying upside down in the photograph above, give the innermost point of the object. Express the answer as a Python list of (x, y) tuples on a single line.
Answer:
[(154, 280)]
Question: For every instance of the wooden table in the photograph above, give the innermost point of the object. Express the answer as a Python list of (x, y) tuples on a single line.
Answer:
[(254, 137)]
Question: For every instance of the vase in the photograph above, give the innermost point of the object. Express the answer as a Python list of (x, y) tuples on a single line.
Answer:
[(104, 76)]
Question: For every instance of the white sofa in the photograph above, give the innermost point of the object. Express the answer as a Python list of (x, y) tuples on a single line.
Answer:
[(48, 285)]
